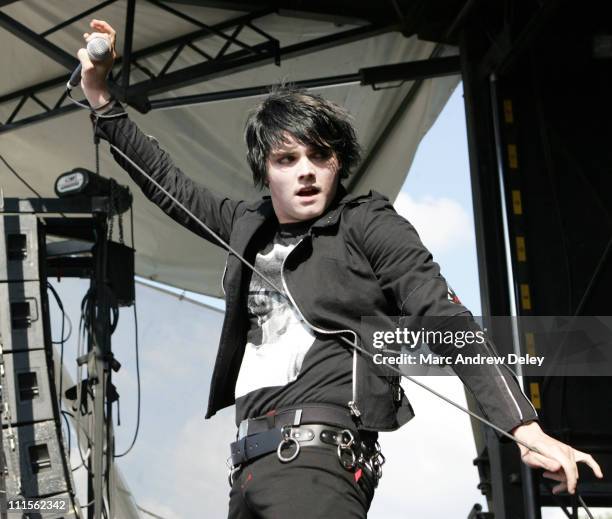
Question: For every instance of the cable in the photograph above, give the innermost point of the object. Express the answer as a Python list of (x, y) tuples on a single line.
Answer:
[(87, 505), (85, 329), (583, 505), (62, 341), (83, 462), (68, 320), (138, 394), (107, 373), (90, 109), (107, 507), (340, 337), (23, 181), (354, 345), (143, 510), (79, 397), (64, 416), (19, 177)]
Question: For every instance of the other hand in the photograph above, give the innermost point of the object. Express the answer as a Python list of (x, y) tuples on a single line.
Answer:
[(558, 460)]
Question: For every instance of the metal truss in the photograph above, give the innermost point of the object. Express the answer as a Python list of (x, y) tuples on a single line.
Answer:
[(370, 76), (233, 56), (506, 47)]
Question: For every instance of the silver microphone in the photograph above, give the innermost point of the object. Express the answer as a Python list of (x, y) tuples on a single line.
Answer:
[(98, 49)]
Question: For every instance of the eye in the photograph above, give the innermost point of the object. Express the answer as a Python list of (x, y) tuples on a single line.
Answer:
[(321, 154), (285, 159)]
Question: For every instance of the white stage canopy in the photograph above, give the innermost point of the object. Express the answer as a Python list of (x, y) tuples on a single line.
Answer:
[(205, 140)]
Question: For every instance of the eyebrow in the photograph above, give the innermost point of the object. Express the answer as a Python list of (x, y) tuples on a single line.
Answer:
[(293, 148), (281, 151)]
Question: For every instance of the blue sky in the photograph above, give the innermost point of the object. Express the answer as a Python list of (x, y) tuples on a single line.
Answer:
[(439, 174), (178, 463)]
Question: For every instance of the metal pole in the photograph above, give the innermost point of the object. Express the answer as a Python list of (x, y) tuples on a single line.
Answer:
[(98, 369), (531, 508), (127, 46)]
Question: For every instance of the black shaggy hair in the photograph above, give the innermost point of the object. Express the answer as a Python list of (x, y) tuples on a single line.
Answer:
[(312, 120)]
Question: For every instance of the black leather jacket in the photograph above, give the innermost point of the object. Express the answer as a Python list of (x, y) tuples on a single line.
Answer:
[(359, 259)]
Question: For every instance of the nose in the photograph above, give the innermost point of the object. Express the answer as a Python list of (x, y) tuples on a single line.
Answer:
[(306, 169)]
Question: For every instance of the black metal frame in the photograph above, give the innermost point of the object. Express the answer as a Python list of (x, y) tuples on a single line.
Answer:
[(137, 95), (37, 41), (213, 65), (513, 490), (370, 76)]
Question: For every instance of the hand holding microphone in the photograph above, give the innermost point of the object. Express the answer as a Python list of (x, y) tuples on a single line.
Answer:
[(98, 50), (96, 62)]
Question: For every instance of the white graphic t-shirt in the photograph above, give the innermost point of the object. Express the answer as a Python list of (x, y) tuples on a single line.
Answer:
[(284, 362)]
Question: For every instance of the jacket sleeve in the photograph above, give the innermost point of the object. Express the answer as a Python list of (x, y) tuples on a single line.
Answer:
[(217, 212), (408, 275)]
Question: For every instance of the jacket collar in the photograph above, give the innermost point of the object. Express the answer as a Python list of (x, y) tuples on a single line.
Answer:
[(332, 215)]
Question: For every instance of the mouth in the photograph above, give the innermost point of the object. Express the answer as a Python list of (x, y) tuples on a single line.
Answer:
[(308, 191)]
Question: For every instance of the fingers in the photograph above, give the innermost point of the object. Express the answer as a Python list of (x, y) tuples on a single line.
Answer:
[(561, 487), (86, 63), (538, 461), (559, 477), (556, 476), (564, 455), (571, 472), (559, 460), (88, 36), (555, 460), (102, 29), (93, 35), (569, 484), (583, 457), (102, 26)]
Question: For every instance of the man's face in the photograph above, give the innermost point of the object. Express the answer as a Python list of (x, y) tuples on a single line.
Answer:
[(302, 180)]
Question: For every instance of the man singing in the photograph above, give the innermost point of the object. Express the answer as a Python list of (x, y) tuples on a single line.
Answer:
[(309, 402)]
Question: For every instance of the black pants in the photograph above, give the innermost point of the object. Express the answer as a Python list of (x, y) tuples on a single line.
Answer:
[(313, 486)]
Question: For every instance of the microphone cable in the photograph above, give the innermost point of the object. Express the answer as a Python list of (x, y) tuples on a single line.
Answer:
[(354, 345)]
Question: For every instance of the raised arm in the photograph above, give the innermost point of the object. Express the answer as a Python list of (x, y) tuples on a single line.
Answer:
[(141, 156)]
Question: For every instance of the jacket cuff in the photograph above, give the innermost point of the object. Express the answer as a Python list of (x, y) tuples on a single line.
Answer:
[(102, 122), (532, 417)]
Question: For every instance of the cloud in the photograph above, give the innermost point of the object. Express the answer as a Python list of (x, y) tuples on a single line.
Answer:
[(442, 223), (187, 476), (199, 460)]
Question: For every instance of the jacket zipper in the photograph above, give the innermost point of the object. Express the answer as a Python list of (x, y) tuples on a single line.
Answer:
[(353, 403)]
